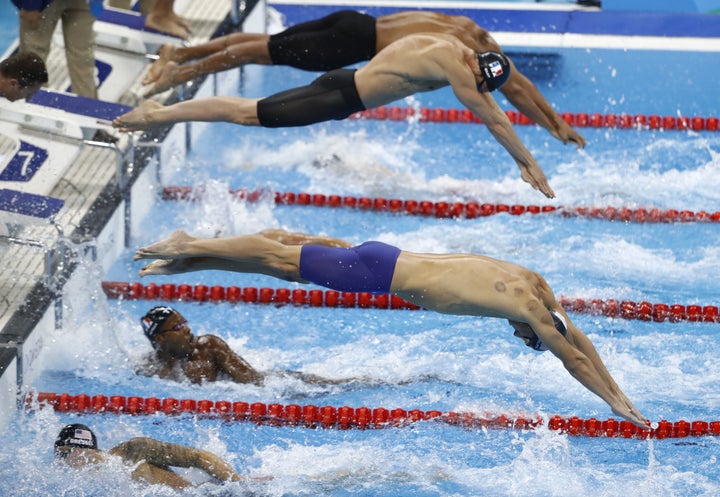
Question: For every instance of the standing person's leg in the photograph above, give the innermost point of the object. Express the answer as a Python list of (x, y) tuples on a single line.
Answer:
[(119, 4), (36, 37), (77, 22)]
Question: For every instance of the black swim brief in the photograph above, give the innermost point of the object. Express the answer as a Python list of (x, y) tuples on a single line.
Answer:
[(331, 96), (366, 268), (338, 40)]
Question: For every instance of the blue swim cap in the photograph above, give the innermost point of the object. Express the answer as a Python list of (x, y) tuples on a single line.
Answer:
[(535, 343), (495, 68)]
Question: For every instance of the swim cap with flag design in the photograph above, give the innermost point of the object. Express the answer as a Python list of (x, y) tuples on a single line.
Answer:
[(154, 319), (495, 68), (75, 435)]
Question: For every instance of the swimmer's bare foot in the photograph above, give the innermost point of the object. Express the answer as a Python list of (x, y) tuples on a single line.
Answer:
[(166, 267), (165, 55), (172, 247), (165, 80), (172, 24), (138, 118), (180, 21)]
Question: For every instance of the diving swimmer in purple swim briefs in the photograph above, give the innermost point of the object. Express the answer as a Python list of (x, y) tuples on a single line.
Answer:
[(365, 268)]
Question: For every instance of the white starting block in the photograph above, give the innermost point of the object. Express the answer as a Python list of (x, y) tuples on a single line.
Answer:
[(88, 114), (41, 138), (20, 207)]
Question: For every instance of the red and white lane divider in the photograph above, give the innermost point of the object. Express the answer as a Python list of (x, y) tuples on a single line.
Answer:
[(346, 417), (469, 210), (579, 119), (625, 309)]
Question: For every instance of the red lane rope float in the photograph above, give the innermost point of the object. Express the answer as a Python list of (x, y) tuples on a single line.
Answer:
[(441, 209), (625, 309), (253, 295), (580, 119), (346, 417)]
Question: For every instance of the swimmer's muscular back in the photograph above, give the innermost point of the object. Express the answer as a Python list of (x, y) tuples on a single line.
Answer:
[(419, 63), (466, 284), (392, 27)]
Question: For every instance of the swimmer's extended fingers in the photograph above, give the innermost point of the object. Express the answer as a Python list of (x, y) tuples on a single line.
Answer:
[(568, 134), (538, 181), (577, 139), (545, 188), (631, 414)]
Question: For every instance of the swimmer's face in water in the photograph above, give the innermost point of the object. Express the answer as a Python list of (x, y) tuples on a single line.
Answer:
[(526, 333), (78, 457), (523, 331), (175, 337), (482, 86)]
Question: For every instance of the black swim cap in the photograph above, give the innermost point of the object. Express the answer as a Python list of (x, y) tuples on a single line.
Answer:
[(495, 68), (75, 435), (155, 318), (535, 343)]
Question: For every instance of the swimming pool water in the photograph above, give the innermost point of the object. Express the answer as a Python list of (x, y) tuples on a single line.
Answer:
[(417, 359)]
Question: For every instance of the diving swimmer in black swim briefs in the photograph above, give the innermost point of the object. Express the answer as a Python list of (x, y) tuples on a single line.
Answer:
[(331, 96), (414, 64), (340, 39), (368, 267)]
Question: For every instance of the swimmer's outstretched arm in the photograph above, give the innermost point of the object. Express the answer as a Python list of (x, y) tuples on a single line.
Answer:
[(162, 455), (499, 126), (484, 106), (151, 114), (523, 94), (582, 361)]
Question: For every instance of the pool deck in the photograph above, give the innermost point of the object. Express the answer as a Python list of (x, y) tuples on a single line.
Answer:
[(83, 195), (64, 196)]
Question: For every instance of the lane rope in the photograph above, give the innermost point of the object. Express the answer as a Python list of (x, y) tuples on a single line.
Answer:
[(624, 309), (579, 119), (346, 417), (441, 209)]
